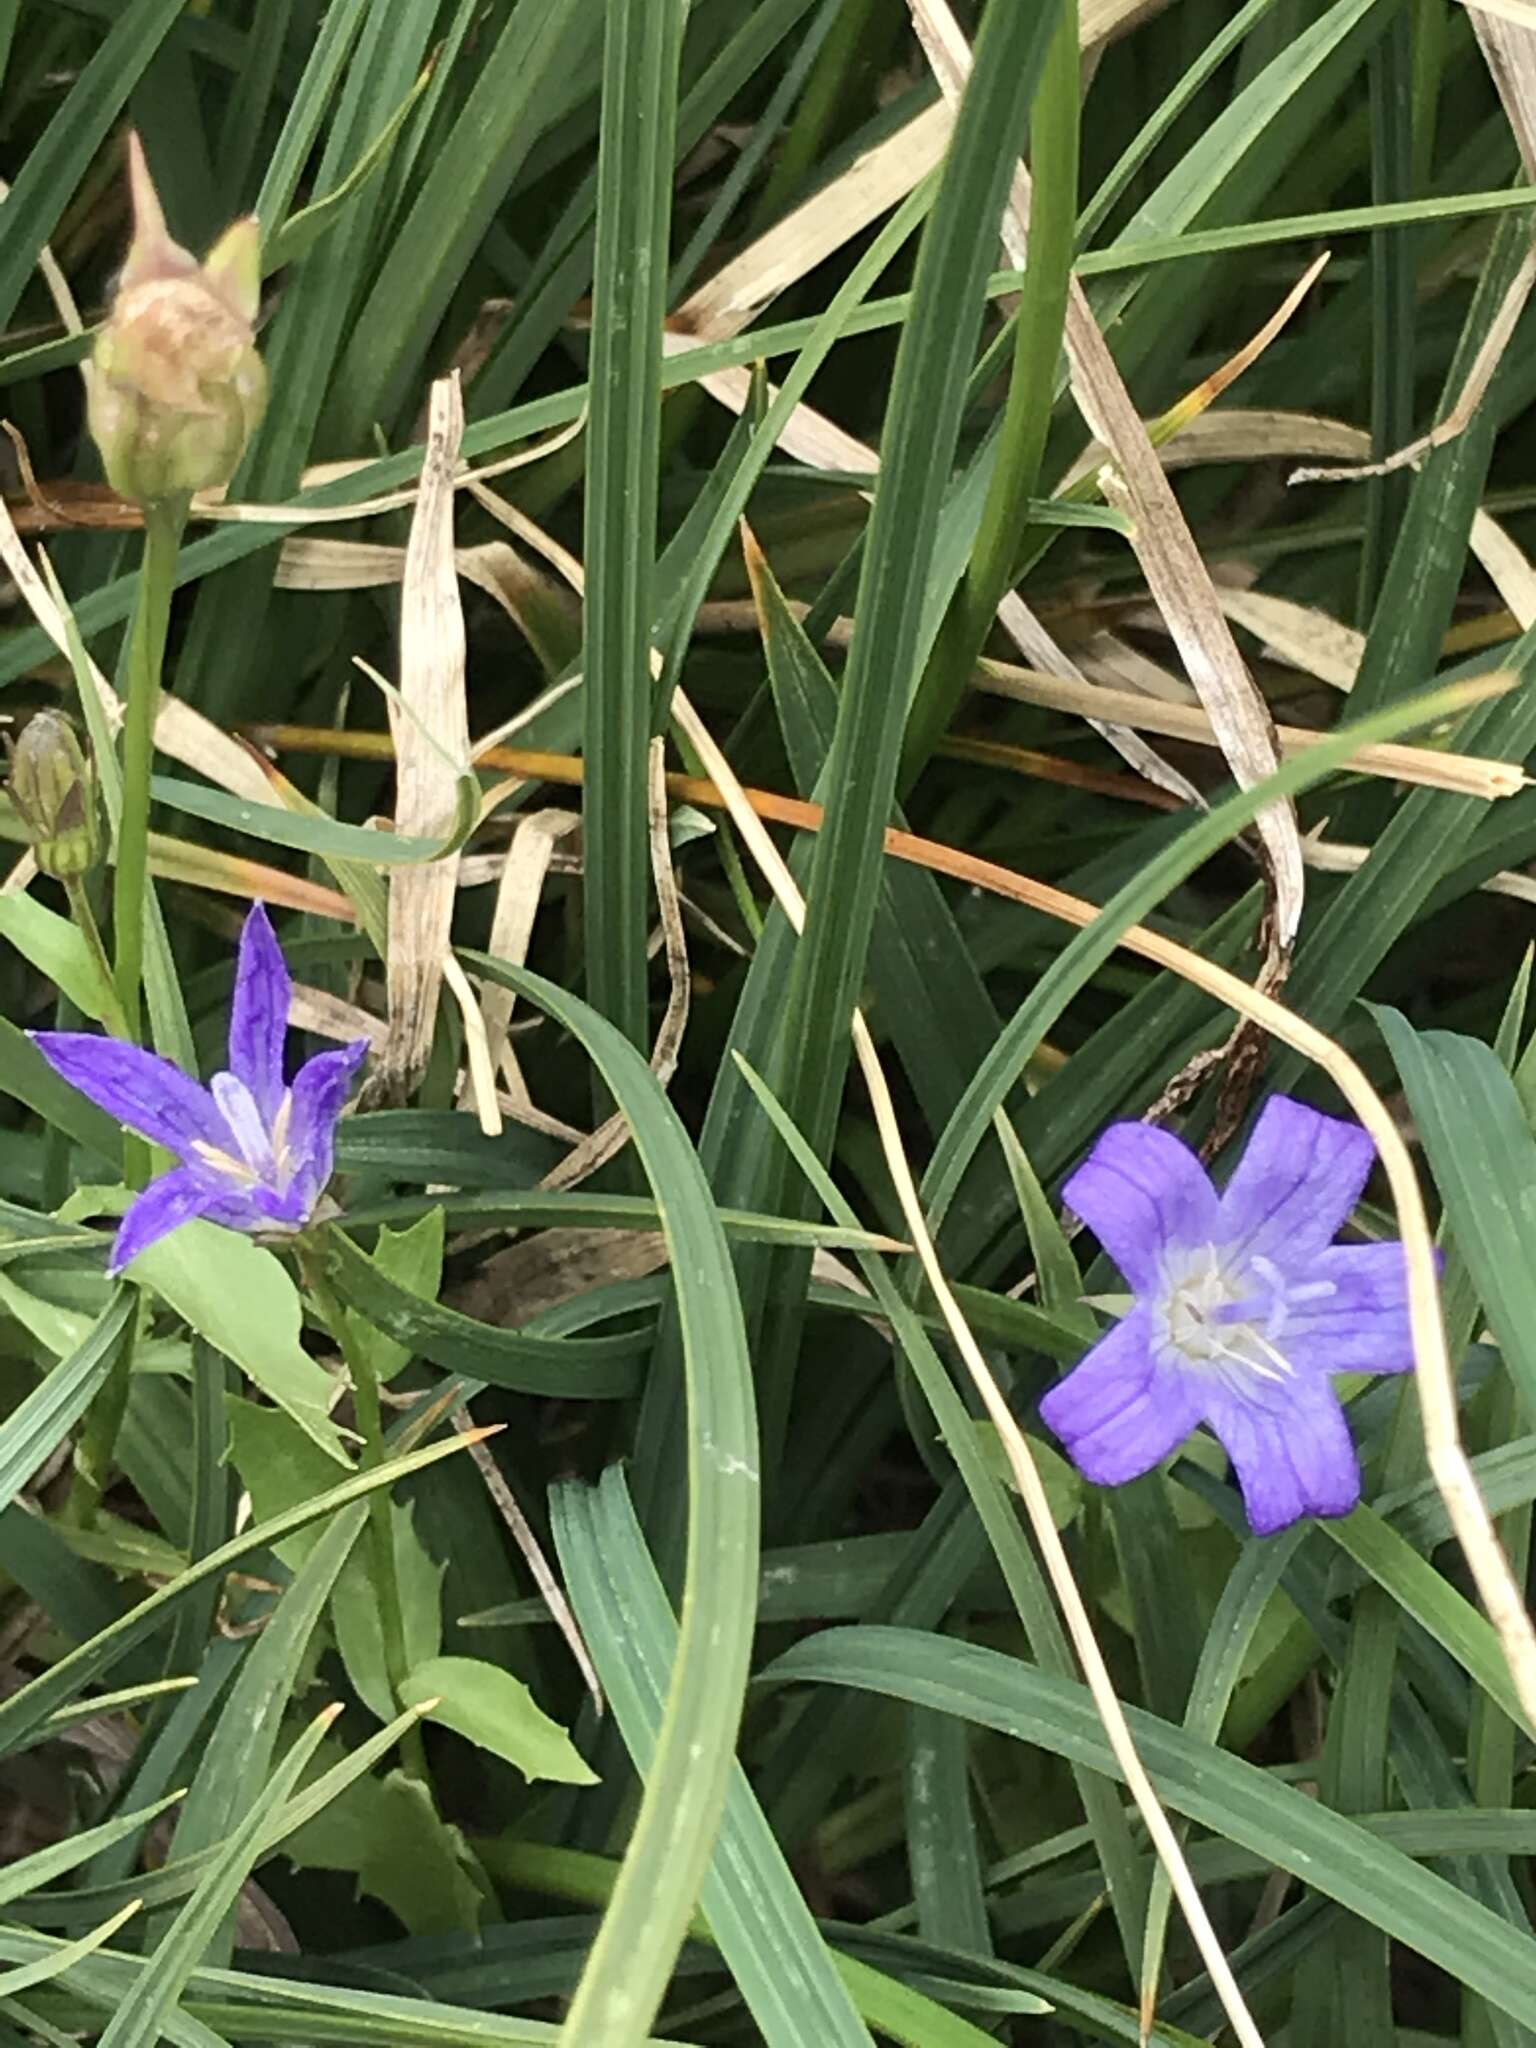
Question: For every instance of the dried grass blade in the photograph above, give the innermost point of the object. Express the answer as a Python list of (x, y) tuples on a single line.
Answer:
[(1300, 634), (1021, 1462), (1175, 572), (872, 184), (182, 733), (1507, 34), (432, 655), (518, 890), (1465, 774)]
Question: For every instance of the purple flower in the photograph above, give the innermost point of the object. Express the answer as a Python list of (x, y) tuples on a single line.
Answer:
[(255, 1154), (1244, 1308)]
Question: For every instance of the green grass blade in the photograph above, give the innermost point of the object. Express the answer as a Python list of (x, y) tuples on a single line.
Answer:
[(1075, 965), (39, 1423), (642, 44), (138, 2021), (921, 427), (1235, 1799), (674, 1832), (54, 167), (1483, 1157), (753, 1906), (35, 1701)]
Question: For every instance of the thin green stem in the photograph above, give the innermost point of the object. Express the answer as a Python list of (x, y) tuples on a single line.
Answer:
[(381, 1532), (163, 523), (1000, 538), (85, 921), (96, 1452)]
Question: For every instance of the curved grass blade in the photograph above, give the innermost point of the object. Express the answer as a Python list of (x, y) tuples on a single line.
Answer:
[(674, 1833), (573, 1368), (754, 1907), (47, 180), (1087, 951), (51, 1410), (137, 2022), (26, 1975), (62, 1681), (1235, 1799)]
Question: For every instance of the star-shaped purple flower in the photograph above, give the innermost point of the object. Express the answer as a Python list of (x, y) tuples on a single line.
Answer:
[(255, 1153), (1244, 1309)]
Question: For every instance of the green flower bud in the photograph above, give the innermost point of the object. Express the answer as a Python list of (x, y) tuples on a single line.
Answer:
[(175, 387), (53, 787)]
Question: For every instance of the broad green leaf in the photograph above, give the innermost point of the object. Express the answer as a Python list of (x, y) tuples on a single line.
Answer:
[(239, 1296), (355, 1613), (387, 1832), (57, 948), (413, 1259), (281, 1467), (492, 1709)]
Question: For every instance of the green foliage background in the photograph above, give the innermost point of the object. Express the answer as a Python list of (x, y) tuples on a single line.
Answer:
[(848, 1784)]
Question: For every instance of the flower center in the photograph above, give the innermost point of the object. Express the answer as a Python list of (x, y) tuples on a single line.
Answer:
[(259, 1153), (1227, 1317)]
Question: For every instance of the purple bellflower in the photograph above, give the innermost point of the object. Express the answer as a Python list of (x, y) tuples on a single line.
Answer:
[(255, 1153), (1244, 1307)]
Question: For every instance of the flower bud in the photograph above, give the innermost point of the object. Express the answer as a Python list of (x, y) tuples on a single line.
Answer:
[(53, 788), (175, 386)]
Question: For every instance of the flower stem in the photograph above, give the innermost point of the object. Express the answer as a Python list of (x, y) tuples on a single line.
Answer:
[(163, 522), (85, 920), (381, 1533), (97, 1448)]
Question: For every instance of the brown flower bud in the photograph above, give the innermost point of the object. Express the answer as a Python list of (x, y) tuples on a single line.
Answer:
[(53, 787), (175, 386)]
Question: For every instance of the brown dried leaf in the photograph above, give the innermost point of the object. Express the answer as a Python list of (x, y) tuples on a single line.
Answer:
[(1465, 774), (430, 722)]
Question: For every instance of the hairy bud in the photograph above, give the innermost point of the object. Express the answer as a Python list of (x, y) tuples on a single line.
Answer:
[(175, 386), (53, 787)]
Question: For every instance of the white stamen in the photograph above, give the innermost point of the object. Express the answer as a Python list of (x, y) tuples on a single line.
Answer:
[(1229, 1318), (245, 1121), (224, 1163)]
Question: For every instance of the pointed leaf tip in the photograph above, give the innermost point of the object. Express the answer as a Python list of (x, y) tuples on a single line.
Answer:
[(233, 267), (151, 252)]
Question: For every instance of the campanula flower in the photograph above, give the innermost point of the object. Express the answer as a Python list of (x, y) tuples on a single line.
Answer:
[(1244, 1309), (255, 1153)]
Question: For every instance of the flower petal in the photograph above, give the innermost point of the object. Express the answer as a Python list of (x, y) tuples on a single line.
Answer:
[(1295, 1185), (1290, 1447), (175, 1198), (320, 1091), (1120, 1412), (1139, 1191), (139, 1088), (1363, 1325), (258, 1018)]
